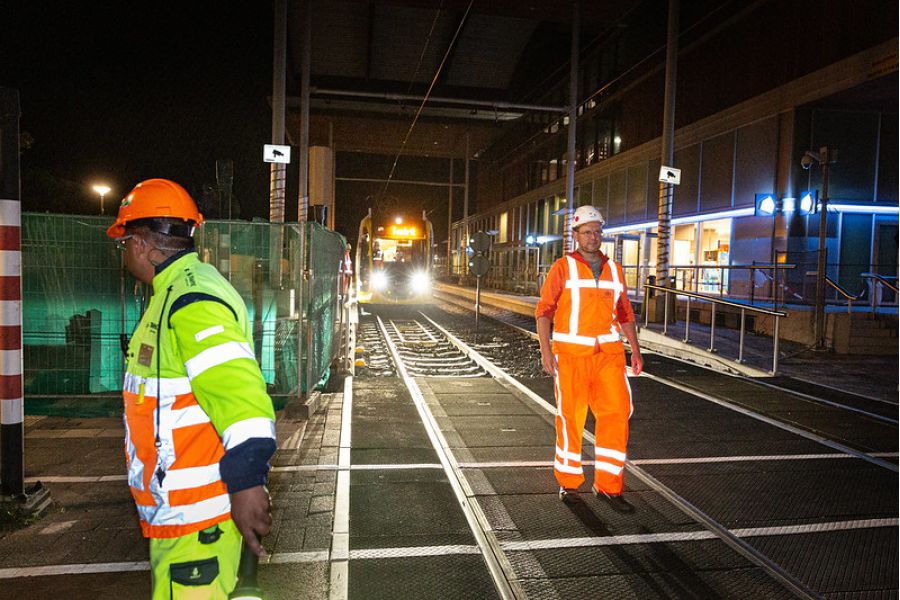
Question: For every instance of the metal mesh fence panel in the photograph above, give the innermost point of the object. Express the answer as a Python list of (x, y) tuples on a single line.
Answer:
[(79, 303), (326, 252)]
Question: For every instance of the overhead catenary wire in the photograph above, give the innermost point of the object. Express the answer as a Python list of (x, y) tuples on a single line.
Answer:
[(434, 79), (412, 80)]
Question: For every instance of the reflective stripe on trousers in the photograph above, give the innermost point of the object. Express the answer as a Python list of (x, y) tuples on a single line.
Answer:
[(597, 382)]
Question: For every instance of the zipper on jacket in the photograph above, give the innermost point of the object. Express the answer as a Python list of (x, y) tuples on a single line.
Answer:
[(160, 473)]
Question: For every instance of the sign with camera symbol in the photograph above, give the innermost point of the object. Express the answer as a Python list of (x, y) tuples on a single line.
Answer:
[(669, 175), (273, 153)]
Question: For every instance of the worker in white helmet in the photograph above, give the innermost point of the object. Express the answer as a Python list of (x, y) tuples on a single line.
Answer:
[(585, 298)]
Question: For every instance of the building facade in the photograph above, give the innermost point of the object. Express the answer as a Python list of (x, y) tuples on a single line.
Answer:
[(757, 89)]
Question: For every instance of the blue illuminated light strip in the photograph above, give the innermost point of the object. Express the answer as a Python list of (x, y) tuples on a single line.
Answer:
[(865, 209), (726, 214), (624, 228)]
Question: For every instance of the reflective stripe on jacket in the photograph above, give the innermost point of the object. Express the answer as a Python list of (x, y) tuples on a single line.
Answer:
[(585, 310), (192, 391)]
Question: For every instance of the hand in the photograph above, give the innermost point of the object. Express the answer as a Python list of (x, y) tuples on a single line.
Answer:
[(549, 364), (250, 512), (637, 363)]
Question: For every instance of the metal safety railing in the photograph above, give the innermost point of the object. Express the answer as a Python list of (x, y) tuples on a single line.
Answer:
[(714, 302), (843, 293), (876, 284)]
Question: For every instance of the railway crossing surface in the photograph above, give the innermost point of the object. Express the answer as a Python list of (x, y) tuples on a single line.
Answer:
[(428, 474)]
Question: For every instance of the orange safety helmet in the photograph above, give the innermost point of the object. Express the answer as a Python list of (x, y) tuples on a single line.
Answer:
[(155, 198)]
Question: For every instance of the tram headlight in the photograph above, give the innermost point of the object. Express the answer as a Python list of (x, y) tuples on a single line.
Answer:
[(420, 282), (379, 281)]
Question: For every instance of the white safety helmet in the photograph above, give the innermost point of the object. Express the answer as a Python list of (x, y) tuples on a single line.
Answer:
[(586, 214)]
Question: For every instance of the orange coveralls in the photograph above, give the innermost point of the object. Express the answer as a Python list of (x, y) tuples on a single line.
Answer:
[(586, 313)]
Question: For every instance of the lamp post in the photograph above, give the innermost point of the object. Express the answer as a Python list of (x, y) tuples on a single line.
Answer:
[(824, 158), (102, 190)]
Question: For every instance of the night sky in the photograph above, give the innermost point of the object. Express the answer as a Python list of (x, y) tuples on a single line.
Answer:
[(121, 92)]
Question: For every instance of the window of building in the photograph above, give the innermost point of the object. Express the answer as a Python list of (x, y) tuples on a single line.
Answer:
[(585, 194), (631, 260), (682, 254), (604, 139), (715, 243)]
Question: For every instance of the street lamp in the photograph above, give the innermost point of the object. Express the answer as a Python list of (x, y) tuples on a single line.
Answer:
[(824, 158), (102, 190)]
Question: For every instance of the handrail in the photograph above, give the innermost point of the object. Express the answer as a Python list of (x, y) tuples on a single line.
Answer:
[(872, 282), (851, 298), (717, 300), (714, 301), (748, 267), (881, 279)]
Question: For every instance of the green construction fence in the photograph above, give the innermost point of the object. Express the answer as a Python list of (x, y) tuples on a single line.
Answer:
[(78, 302)]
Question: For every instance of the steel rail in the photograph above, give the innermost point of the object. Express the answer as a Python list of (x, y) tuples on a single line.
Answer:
[(728, 537), (830, 403), (501, 571), (776, 423), (786, 390)]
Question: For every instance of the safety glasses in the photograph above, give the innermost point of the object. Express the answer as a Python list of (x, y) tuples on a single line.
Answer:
[(120, 241)]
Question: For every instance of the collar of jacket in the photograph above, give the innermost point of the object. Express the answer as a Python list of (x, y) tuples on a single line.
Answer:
[(577, 256), (166, 271)]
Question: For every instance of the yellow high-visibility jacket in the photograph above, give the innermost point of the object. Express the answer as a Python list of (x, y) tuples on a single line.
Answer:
[(198, 421)]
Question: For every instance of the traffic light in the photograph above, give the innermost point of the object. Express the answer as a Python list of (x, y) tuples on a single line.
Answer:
[(480, 243)]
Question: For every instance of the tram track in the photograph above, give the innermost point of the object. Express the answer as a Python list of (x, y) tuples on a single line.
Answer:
[(501, 571), (734, 538), (677, 372), (413, 340), (427, 331), (718, 529)]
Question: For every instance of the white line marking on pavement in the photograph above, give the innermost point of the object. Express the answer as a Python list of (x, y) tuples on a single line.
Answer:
[(509, 546), (612, 540), (340, 536), (524, 464), (687, 536), (394, 467), (77, 569), (764, 457), (297, 557), (815, 527), (411, 552)]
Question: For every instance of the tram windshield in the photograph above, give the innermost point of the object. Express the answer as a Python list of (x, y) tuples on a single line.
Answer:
[(399, 251)]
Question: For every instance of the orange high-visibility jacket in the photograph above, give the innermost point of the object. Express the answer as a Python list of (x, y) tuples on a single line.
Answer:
[(586, 312)]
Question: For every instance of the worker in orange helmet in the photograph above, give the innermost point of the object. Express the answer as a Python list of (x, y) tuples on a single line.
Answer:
[(199, 425), (586, 299)]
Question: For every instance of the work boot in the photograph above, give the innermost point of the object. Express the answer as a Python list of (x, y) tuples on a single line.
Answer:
[(617, 502), (568, 496)]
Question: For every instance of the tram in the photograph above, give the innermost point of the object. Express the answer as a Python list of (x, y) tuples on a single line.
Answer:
[(393, 260)]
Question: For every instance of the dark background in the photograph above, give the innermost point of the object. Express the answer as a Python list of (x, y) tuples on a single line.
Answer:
[(122, 92)]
